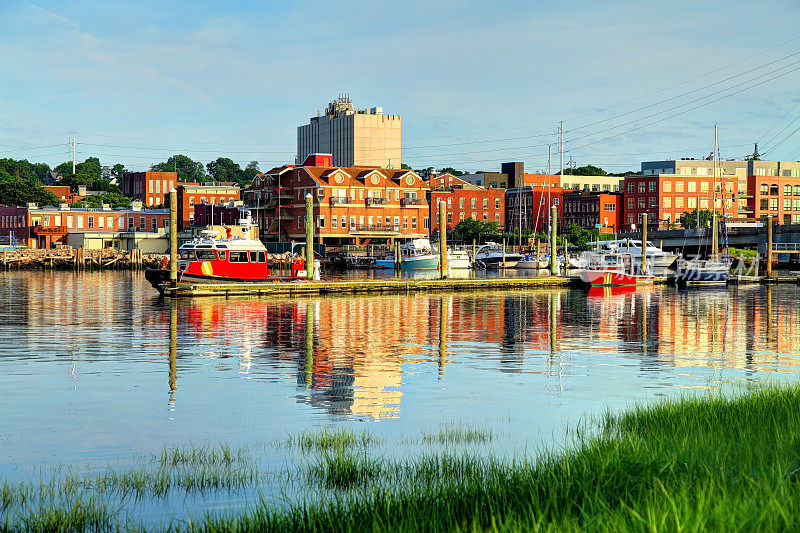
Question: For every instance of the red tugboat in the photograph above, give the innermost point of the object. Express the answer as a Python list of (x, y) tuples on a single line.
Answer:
[(613, 270), (208, 259)]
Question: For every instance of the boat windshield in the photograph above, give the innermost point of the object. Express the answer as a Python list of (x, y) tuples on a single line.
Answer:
[(202, 255)]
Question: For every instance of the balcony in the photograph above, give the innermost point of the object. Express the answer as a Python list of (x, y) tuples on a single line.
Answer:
[(407, 201), (372, 229), (376, 202), (340, 200)]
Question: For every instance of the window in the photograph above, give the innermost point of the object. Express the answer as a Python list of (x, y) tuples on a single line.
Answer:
[(352, 222), (449, 218), (130, 222), (679, 202), (652, 186), (773, 204), (787, 190), (474, 202), (641, 203), (321, 222), (691, 202), (667, 186), (704, 186), (703, 203), (154, 223), (692, 186), (678, 186), (630, 219), (237, 257), (796, 204), (764, 204), (427, 222), (461, 203), (485, 203), (150, 187), (497, 203), (667, 202), (299, 222), (787, 204), (653, 201), (70, 221), (254, 257), (361, 221), (396, 196), (773, 172), (642, 186), (461, 217), (262, 257), (405, 222), (764, 189), (360, 194), (344, 222), (631, 187), (773, 189), (610, 207), (413, 222), (556, 201), (80, 222), (334, 222), (110, 222), (797, 190), (397, 222), (91, 222), (320, 193), (449, 203), (101, 222), (166, 223)]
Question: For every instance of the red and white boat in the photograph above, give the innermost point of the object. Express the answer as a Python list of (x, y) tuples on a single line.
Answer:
[(613, 270), (208, 259)]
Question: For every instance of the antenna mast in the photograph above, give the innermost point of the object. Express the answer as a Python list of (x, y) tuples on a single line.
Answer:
[(73, 152)]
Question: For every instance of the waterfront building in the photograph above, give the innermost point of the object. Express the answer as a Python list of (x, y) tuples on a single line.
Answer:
[(774, 190), (192, 194), (588, 209), (354, 137), (43, 227), (464, 201), (151, 188), (530, 207), (352, 205)]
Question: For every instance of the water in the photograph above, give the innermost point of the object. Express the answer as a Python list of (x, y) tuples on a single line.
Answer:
[(95, 370)]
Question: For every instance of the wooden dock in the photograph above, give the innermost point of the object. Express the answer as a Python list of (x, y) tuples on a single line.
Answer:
[(388, 286)]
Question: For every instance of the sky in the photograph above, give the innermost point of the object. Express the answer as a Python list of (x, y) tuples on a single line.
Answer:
[(475, 83)]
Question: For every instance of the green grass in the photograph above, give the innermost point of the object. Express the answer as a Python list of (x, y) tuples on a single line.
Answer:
[(717, 463), (330, 439), (714, 464), (458, 434)]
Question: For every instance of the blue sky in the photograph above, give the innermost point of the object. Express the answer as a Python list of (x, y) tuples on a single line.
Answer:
[(475, 83)]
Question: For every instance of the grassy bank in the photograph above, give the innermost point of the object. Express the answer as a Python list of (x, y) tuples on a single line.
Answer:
[(701, 464)]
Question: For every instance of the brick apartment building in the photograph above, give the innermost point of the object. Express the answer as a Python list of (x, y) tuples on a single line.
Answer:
[(41, 227), (587, 209), (774, 190), (352, 205), (530, 207), (191, 194), (151, 188), (464, 201)]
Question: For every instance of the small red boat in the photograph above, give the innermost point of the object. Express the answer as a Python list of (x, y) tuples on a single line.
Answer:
[(613, 270), (208, 259)]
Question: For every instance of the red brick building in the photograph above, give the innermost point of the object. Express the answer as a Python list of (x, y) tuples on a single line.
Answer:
[(191, 194), (351, 204), (464, 201), (588, 209), (665, 197), (530, 207), (64, 193), (223, 214), (41, 227), (152, 188), (774, 190)]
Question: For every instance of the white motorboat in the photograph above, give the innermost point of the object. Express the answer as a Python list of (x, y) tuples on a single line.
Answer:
[(491, 256), (658, 261), (458, 259), (414, 255)]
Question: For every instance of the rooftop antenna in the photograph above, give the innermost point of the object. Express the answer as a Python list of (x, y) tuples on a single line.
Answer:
[(756, 155)]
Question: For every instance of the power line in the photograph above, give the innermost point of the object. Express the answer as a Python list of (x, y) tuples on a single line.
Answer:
[(784, 129), (779, 120)]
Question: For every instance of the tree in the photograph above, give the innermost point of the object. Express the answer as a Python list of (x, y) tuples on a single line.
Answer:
[(118, 170), (454, 172), (187, 169), (588, 170), (478, 230), (96, 201), (25, 169), (15, 190), (403, 166), (688, 219), (251, 171)]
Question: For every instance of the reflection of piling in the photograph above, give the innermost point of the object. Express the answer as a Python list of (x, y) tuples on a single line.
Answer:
[(769, 247), (173, 347), (173, 237), (397, 263), (643, 314), (309, 236), (474, 250), (442, 239), (443, 319), (553, 258), (308, 367), (504, 252), (714, 236), (553, 327), (644, 243)]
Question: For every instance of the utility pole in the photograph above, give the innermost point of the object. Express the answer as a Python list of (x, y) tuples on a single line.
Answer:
[(73, 152)]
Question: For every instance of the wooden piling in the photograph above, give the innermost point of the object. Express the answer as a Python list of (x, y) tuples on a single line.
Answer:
[(644, 243), (553, 257), (309, 236), (442, 239), (769, 247), (173, 237)]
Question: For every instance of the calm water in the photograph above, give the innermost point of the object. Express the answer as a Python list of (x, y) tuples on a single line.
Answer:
[(96, 370)]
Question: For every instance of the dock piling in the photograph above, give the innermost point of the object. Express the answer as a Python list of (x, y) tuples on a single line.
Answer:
[(553, 257), (769, 247), (644, 243), (309, 236), (173, 237), (442, 239)]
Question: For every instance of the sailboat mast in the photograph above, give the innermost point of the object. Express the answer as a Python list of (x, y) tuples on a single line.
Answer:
[(714, 230)]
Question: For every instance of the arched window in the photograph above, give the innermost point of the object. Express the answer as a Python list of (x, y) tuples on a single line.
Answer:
[(764, 188), (797, 190), (773, 189), (787, 190)]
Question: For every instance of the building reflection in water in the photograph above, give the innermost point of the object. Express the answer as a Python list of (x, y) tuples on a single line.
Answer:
[(350, 354)]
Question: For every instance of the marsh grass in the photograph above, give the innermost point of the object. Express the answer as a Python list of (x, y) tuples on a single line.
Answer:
[(458, 434), (330, 439), (715, 463)]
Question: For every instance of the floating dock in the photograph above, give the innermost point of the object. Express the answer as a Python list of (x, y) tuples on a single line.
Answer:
[(387, 286)]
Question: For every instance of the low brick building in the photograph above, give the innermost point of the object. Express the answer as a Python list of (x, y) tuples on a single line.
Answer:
[(464, 200), (42, 227), (191, 194), (588, 209), (151, 188)]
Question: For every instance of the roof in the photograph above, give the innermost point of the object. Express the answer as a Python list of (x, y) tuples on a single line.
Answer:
[(363, 176)]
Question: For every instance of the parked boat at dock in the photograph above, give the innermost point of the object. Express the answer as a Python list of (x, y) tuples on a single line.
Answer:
[(658, 261), (691, 271), (208, 259), (613, 270), (458, 259), (416, 254), (491, 255)]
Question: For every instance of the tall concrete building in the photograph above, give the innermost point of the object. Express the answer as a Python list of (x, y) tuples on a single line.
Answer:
[(355, 137)]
